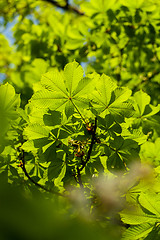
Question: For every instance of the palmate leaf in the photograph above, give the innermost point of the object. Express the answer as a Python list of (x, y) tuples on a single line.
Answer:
[(152, 122), (151, 202), (40, 137), (121, 110), (9, 101), (145, 113), (102, 93), (123, 152), (64, 91), (150, 152), (44, 138), (109, 125), (134, 134), (137, 232), (144, 217), (142, 105), (97, 7), (142, 99), (37, 137), (9, 104), (108, 98), (134, 216), (115, 162)]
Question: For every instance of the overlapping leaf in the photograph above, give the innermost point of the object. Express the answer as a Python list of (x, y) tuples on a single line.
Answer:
[(137, 232), (144, 216), (151, 202), (64, 91), (109, 125), (142, 105), (154, 234), (135, 216), (123, 152), (150, 152), (107, 98), (9, 103)]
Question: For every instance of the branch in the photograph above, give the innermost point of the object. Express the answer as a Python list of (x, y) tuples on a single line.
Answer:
[(79, 178), (91, 146), (67, 7), (22, 165), (153, 74)]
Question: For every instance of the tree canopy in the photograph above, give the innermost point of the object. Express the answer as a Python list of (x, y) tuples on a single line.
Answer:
[(80, 119)]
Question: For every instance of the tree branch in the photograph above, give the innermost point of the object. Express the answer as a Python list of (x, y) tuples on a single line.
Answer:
[(79, 178), (22, 165), (91, 146), (67, 7)]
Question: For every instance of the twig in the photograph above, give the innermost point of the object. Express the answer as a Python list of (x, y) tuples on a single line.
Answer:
[(35, 183), (67, 7), (79, 178), (91, 146)]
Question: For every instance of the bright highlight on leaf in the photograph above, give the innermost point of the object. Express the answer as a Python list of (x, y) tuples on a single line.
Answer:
[(64, 91), (80, 119)]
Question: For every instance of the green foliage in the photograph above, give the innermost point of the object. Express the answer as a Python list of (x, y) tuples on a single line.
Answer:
[(80, 119), (144, 217)]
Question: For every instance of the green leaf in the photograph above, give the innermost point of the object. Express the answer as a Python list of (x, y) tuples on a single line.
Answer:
[(150, 201), (119, 111), (54, 81), (114, 163), (101, 6), (52, 118), (102, 92), (150, 152), (109, 125), (49, 153), (64, 91), (36, 131), (9, 104), (151, 124), (142, 99), (124, 152), (134, 215), (48, 99), (137, 232), (134, 134), (106, 98), (85, 86), (142, 106), (121, 95), (154, 234), (9, 101), (73, 74), (69, 109), (54, 168), (28, 146)]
